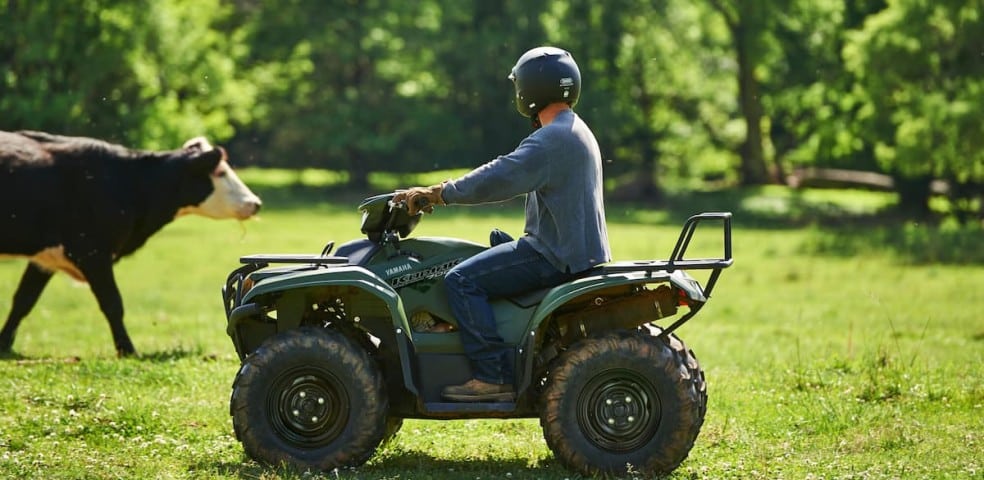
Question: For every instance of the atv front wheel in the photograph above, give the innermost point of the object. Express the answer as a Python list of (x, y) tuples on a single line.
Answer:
[(310, 398), (623, 401)]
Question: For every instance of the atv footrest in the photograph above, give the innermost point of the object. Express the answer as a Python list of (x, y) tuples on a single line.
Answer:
[(470, 407)]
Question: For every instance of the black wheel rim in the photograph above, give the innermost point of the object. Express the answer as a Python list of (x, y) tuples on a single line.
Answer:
[(308, 407), (618, 410)]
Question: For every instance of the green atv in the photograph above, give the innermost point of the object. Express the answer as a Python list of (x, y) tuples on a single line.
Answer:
[(337, 349)]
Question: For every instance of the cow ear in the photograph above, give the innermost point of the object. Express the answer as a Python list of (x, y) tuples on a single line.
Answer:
[(197, 144)]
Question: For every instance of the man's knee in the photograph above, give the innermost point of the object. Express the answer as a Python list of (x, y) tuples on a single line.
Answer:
[(457, 283)]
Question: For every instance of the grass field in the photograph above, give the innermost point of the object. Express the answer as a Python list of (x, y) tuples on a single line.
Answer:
[(838, 346)]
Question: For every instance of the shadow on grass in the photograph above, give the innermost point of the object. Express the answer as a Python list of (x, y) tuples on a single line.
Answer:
[(397, 465), (913, 244), (175, 354), (778, 208), (20, 359), (162, 356), (842, 229)]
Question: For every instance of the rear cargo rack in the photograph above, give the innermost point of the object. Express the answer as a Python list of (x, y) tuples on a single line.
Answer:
[(678, 260)]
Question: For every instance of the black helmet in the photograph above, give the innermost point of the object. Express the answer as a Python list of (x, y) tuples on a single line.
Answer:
[(542, 76)]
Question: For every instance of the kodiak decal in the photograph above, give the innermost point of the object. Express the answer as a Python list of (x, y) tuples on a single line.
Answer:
[(425, 274)]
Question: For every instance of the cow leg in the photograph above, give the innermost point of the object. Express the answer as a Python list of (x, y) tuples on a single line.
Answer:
[(99, 272), (31, 285)]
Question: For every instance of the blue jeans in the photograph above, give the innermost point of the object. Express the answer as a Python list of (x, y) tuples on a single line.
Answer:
[(507, 269)]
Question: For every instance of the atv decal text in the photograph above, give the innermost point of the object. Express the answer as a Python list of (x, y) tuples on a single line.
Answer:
[(425, 274), (399, 269)]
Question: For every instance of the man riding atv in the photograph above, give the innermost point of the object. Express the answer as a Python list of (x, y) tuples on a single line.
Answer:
[(558, 167)]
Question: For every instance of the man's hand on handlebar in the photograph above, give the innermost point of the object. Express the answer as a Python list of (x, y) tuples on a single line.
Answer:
[(420, 198)]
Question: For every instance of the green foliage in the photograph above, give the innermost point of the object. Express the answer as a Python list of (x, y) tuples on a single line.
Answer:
[(59, 78), (380, 85), (188, 74), (921, 81), (677, 92), (657, 90), (807, 84), (147, 73)]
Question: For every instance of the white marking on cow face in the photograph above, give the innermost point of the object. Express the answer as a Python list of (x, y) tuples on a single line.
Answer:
[(230, 197)]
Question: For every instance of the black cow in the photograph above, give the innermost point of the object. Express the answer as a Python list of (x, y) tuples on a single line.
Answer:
[(78, 204)]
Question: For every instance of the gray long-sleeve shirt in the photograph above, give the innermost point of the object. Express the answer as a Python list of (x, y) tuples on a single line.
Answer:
[(559, 168)]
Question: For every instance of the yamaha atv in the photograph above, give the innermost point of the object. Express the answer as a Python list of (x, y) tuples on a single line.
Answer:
[(337, 349)]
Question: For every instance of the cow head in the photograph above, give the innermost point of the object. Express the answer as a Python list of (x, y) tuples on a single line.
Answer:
[(230, 197)]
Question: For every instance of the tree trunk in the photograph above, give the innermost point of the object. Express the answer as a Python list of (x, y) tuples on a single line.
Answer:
[(649, 184), (914, 194), (358, 172), (752, 170), (649, 168)]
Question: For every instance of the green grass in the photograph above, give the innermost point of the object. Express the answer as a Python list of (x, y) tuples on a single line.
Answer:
[(833, 349)]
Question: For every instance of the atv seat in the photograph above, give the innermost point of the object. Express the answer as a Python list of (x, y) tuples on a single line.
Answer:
[(529, 299)]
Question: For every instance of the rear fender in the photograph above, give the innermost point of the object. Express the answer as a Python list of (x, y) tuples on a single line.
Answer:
[(620, 296), (606, 301)]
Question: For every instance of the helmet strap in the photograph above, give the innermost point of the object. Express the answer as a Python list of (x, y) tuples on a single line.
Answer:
[(535, 118)]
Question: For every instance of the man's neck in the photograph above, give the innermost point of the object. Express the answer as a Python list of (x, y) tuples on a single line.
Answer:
[(549, 113)]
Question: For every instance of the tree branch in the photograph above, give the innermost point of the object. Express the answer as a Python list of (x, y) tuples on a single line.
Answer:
[(730, 17)]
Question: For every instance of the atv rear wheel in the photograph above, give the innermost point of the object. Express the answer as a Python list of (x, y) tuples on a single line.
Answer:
[(623, 399), (310, 398)]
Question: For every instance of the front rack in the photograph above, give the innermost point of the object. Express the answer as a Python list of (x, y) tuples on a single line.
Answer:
[(232, 291)]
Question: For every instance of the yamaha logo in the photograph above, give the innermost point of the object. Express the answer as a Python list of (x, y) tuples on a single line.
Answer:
[(398, 269)]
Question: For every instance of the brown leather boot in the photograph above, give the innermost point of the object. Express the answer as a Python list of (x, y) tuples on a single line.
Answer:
[(476, 390)]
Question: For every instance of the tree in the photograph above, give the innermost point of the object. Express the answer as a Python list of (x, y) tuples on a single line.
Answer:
[(810, 97), (147, 73), (748, 22), (362, 86), (655, 89), (474, 50), (921, 84), (320, 69)]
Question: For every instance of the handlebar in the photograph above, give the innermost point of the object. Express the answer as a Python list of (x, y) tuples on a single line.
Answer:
[(422, 204)]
